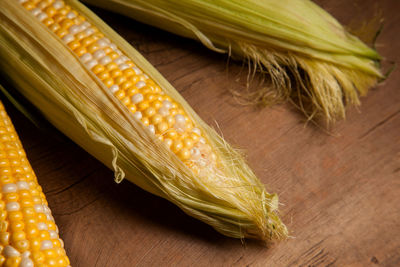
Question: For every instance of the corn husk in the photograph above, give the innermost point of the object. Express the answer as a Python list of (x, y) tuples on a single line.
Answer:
[(41, 67), (308, 56)]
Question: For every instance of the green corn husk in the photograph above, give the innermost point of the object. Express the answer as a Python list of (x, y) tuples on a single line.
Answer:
[(49, 75), (308, 55)]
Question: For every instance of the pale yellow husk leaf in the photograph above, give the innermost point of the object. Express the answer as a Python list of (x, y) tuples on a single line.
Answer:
[(44, 70)]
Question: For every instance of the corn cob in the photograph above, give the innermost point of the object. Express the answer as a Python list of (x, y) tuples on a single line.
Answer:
[(161, 115), (105, 96), (305, 52), (28, 234)]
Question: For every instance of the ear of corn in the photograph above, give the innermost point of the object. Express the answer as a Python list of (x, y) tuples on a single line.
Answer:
[(28, 233), (307, 54), (105, 96)]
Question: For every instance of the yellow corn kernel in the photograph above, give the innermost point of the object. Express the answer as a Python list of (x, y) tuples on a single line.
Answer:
[(79, 51)]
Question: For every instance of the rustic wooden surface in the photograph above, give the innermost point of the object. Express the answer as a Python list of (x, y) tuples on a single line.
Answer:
[(341, 191)]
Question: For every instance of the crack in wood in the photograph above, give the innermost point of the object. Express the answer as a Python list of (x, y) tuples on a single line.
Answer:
[(379, 124)]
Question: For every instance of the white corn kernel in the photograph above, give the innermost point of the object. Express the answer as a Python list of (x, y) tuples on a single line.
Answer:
[(196, 131), (86, 57), (92, 63), (113, 46), (26, 262), (123, 66), (137, 70), (167, 104), (49, 217), (42, 226), (12, 206), (99, 54), (35, 11), (89, 31), (180, 119), (105, 60), (137, 115), (46, 244), (58, 4), (85, 25), (71, 15), (53, 234), (103, 42), (140, 84), (119, 60), (152, 128), (74, 29), (68, 38), (9, 188), (136, 98), (163, 111), (38, 208), (42, 16), (114, 88), (10, 252), (22, 185)]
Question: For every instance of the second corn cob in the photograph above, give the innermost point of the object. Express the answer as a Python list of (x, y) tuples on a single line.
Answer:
[(104, 95), (305, 52), (28, 233)]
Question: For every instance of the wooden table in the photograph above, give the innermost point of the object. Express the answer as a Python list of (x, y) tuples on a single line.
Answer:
[(341, 190)]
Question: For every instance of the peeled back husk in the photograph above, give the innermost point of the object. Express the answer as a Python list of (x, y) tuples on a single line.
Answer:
[(307, 53), (48, 74)]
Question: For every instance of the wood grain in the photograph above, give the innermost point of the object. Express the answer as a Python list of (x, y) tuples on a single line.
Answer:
[(341, 190)]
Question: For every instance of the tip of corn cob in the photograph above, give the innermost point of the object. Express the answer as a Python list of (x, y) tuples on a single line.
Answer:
[(28, 234)]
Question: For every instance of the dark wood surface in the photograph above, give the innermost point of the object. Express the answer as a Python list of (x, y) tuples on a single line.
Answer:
[(341, 191)]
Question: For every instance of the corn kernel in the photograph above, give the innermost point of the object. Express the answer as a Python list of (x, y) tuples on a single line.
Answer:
[(38, 256), (74, 45), (120, 79), (108, 82), (143, 105), (103, 75), (80, 51), (12, 262), (162, 127), (48, 21), (66, 23), (126, 100), (132, 108), (145, 121), (22, 245), (93, 48), (98, 68), (18, 235), (184, 154), (176, 146), (113, 55), (111, 66), (125, 85)]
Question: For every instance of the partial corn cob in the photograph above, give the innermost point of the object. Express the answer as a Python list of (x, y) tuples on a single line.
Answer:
[(304, 51), (105, 96), (28, 233)]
